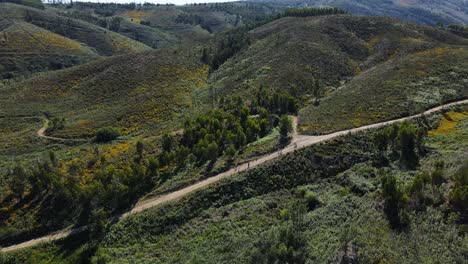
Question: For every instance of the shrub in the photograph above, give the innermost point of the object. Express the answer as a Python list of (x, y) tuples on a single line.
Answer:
[(458, 196), (107, 134), (285, 127), (395, 200), (311, 200)]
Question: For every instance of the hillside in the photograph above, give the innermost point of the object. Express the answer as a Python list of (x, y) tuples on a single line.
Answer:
[(325, 203), (57, 41), (129, 91), (205, 133), (25, 48), (330, 60), (419, 11)]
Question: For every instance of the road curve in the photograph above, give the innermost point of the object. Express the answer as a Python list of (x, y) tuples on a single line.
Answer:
[(42, 130), (298, 142)]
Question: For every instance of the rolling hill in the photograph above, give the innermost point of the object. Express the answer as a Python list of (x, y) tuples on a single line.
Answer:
[(339, 58), (128, 91), (191, 112), (57, 41), (421, 11)]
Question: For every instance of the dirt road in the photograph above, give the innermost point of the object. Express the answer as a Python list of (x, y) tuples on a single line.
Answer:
[(42, 130), (298, 142)]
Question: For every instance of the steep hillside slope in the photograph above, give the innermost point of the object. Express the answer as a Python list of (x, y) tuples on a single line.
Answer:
[(25, 48), (420, 11), (313, 57), (399, 87), (129, 91), (324, 204), (19, 20)]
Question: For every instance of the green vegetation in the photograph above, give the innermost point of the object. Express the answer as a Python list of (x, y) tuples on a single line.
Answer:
[(216, 93), (405, 141), (53, 187), (38, 40), (320, 204), (422, 12), (107, 134), (458, 196), (306, 12), (32, 3), (228, 129), (285, 127)]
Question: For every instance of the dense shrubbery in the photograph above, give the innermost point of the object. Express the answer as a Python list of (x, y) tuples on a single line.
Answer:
[(406, 143), (55, 123), (228, 129), (63, 200), (458, 196), (32, 3), (306, 12), (285, 243), (227, 46), (107, 134), (305, 166), (235, 40), (193, 19)]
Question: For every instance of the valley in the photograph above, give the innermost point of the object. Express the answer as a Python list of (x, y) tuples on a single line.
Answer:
[(241, 132)]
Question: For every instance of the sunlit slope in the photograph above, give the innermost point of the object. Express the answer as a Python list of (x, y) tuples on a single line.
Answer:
[(130, 92), (351, 63), (25, 30)]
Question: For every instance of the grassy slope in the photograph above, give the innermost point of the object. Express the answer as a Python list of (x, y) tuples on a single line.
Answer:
[(359, 63), (130, 91), (90, 37), (28, 48), (393, 89), (228, 221), (419, 11)]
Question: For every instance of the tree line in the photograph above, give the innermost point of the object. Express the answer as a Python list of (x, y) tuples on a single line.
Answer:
[(60, 198), (233, 41), (226, 130), (307, 12)]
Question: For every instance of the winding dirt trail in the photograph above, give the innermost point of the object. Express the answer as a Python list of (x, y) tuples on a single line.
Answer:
[(42, 130), (298, 142)]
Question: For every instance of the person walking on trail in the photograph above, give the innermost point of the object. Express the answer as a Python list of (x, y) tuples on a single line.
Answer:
[(248, 165)]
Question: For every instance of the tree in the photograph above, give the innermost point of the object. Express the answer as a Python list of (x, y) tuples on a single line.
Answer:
[(53, 158), (380, 141), (140, 148), (394, 199), (230, 152), (212, 152), (167, 142), (107, 134), (114, 24), (264, 127), (18, 180), (153, 166), (181, 155), (284, 243), (458, 196), (285, 128), (407, 139)]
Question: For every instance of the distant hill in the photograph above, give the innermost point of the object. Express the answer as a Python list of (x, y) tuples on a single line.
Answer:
[(31, 3), (420, 11), (35, 40)]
